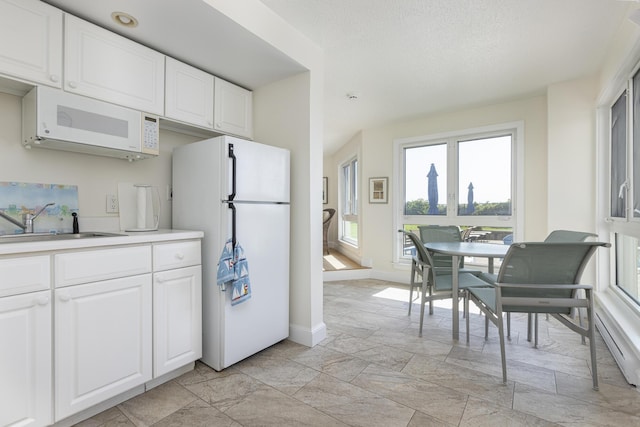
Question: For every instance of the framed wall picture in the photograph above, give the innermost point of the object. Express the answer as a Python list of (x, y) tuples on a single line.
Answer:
[(378, 192), (325, 190)]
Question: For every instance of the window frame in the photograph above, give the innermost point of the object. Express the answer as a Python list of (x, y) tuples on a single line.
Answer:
[(515, 220), (344, 217), (627, 223)]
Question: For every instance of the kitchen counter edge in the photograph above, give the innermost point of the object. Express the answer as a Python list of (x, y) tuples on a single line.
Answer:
[(123, 238)]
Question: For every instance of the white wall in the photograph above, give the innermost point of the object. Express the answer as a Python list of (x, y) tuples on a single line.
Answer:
[(283, 118), (571, 155), (376, 220), (95, 176)]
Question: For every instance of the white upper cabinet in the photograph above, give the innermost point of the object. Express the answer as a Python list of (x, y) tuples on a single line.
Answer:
[(233, 110), (188, 94), (106, 66), (31, 41)]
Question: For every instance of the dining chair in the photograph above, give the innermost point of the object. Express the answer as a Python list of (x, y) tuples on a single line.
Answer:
[(565, 236), (540, 277), (441, 233), (568, 236), (435, 283)]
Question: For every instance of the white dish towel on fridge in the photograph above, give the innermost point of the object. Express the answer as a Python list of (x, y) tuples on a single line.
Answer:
[(233, 267)]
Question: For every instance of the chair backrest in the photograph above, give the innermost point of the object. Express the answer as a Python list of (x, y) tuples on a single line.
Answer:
[(441, 233), (544, 263), (421, 252), (327, 214), (568, 236)]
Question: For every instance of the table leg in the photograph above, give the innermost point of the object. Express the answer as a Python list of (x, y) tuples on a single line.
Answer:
[(490, 265), (454, 292)]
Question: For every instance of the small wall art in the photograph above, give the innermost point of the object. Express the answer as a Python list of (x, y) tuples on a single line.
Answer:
[(378, 192), (18, 198)]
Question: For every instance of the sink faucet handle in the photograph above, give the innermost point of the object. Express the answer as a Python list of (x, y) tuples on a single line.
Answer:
[(42, 209)]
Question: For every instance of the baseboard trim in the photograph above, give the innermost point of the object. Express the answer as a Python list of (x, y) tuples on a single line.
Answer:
[(306, 336)]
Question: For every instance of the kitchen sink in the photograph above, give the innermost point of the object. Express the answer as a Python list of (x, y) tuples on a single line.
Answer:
[(47, 237)]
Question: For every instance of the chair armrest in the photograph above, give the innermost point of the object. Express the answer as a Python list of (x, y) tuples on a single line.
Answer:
[(546, 286)]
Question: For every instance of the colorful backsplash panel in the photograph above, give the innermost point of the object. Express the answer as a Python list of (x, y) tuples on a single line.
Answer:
[(17, 198)]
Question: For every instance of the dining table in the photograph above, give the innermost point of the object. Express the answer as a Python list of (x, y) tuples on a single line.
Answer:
[(470, 249)]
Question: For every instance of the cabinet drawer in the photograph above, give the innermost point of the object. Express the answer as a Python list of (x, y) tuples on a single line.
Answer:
[(176, 255), (90, 266), (25, 274)]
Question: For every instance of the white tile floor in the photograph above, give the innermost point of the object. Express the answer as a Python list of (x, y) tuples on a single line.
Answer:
[(374, 370)]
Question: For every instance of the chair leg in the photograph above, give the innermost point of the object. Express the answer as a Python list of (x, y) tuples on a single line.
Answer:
[(411, 286), (502, 351), (422, 302), (529, 327), (466, 312), (430, 300), (592, 336), (535, 326), (509, 326), (580, 323), (486, 327)]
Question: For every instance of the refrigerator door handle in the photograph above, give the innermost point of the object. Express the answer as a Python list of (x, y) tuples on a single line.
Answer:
[(232, 196), (232, 206), (233, 173), (233, 224)]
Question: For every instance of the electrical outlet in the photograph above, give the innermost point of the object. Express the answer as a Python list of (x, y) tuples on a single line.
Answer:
[(112, 203)]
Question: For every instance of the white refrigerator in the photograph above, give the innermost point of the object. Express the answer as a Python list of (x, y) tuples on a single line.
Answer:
[(223, 186)]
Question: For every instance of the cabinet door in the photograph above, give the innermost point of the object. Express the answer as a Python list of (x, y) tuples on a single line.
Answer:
[(177, 318), (106, 66), (31, 41), (233, 110), (25, 360), (188, 94), (102, 341)]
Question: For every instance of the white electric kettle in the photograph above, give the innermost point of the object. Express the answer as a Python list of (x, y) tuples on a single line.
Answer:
[(147, 208), (139, 207)]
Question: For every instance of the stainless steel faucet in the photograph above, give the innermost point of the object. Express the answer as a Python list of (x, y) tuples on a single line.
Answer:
[(27, 219)]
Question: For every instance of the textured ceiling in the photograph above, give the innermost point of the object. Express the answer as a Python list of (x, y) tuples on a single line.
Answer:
[(408, 58)]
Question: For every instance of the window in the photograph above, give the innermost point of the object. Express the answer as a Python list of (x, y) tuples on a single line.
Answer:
[(349, 202), (465, 178), (624, 187), (619, 156)]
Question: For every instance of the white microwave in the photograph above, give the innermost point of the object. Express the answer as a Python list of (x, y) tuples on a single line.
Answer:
[(52, 118)]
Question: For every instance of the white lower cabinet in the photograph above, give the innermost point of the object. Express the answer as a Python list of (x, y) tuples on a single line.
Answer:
[(177, 318), (102, 341), (116, 318), (25, 360)]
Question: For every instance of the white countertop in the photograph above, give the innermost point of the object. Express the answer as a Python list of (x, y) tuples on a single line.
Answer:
[(123, 238)]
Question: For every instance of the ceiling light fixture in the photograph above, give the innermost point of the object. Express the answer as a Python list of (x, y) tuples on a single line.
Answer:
[(124, 19)]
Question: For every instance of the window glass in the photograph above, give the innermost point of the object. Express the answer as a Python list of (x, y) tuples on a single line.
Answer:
[(628, 265), (484, 171), (425, 180), (619, 156), (636, 145)]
